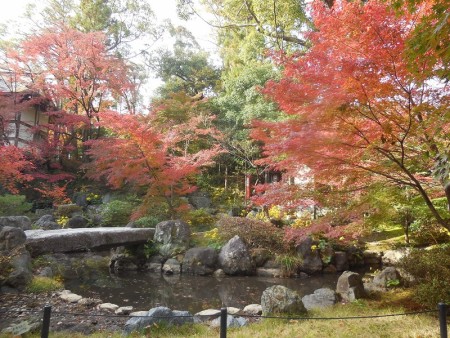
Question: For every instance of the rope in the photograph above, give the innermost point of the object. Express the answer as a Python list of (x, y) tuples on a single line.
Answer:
[(342, 318), (57, 313), (115, 316)]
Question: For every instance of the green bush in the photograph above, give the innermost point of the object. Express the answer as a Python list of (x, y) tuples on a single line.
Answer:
[(429, 232), (227, 199), (424, 229), (290, 263), (431, 270), (116, 213), (40, 284), (199, 220), (147, 222), (255, 233), (13, 205)]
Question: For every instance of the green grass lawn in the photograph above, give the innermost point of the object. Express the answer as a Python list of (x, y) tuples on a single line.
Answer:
[(393, 302), (385, 239)]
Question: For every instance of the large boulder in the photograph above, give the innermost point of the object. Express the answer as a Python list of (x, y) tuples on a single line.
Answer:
[(47, 222), (312, 263), (154, 264), (22, 222), (200, 261), (350, 286), (387, 277), (319, 299), (19, 278), (393, 257), (171, 267), (21, 259), (172, 237), (16, 261), (200, 200), (280, 299), (11, 237), (19, 263), (122, 263), (235, 259), (157, 315), (77, 222)]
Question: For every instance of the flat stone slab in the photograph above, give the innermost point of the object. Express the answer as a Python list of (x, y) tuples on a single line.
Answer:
[(39, 242)]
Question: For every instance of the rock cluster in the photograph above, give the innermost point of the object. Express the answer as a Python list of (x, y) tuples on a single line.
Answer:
[(15, 267)]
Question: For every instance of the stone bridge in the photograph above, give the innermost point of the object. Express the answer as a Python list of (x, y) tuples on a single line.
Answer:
[(83, 239)]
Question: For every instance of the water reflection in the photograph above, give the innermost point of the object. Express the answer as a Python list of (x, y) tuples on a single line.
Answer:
[(182, 292)]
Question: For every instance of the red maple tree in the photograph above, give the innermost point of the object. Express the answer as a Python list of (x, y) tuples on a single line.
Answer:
[(14, 166), (157, 158), (355, 112), (74, 77), (78, 76)]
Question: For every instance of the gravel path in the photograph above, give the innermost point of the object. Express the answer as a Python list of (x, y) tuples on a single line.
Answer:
[(17, 308)]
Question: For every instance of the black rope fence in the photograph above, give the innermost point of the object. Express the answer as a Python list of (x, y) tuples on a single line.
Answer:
[(442, 311)]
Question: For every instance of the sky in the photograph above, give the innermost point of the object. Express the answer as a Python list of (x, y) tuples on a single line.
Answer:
[(14, 9), (164, 9)]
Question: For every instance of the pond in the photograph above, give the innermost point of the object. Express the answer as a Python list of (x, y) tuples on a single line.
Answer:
[(184, 292)]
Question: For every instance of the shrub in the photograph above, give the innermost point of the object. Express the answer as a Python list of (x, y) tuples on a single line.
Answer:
[(428, 232), (227, 199), (301, 222), (255, 233), (62, 221), (431, 271), (147, 222), (213, 239), (40, 284), (199, 220), (13, 205), (93, 199), (116, 213), (274, 213), (290, 263)]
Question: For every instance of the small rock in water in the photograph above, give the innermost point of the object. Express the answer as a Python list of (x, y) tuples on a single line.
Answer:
[(219, 273), (206, 315), (232, 310), (108, 307), (89, 302), (139, 314), (69, 297), (124, 310), (253, 309)]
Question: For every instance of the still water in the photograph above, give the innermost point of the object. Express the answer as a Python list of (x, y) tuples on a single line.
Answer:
[(183, 292)]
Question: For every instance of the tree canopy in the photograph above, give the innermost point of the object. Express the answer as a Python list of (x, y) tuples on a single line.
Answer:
[(341, 99), (356, 111)]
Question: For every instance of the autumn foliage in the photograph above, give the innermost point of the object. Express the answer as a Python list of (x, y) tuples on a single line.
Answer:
[(12, 166), (156, 159), (355, 113), (77, 76)]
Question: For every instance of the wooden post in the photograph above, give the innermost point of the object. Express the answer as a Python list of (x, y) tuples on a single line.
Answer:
[(46, 321), (223, 322)]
